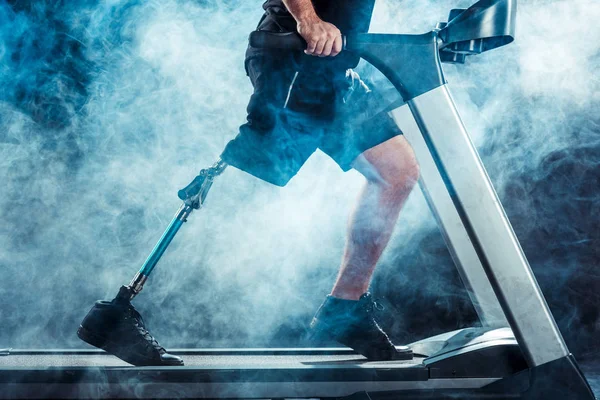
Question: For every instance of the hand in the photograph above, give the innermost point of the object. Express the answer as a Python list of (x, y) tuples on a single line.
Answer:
[(323, 38)]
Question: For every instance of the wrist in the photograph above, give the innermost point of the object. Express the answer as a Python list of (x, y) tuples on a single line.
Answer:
[(308, 18)]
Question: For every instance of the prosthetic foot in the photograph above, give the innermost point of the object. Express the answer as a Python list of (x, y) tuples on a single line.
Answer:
[(353, 324), (117, 327)]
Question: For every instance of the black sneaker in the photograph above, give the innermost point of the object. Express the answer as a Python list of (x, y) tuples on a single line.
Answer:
[(352, 323), (118, 328)]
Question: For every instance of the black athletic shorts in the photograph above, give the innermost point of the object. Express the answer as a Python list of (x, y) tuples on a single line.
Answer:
[(299, 106)]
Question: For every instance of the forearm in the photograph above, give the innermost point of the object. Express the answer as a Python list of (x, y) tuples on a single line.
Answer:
[(303, 11), (323, 39)]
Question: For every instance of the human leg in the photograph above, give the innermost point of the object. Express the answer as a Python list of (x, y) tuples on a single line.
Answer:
[(348, 313), (391, 172), (370, 142)]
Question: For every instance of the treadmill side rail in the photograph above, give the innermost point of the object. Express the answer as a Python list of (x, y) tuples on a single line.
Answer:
[(453, 230), (488, 227)]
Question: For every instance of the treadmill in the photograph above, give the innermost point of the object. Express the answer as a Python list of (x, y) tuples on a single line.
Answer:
[(518, 352)]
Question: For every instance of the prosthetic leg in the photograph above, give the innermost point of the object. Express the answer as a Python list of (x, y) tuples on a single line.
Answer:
[(116, 326)]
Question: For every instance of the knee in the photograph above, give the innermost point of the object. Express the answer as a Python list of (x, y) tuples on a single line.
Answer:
[(411, 171), (392, 168), (401, 174)]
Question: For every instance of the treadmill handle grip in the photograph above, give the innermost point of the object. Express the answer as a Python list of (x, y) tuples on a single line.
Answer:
[(282, 41)]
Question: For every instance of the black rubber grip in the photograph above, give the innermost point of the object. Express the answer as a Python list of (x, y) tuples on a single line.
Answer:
[(274, 40)]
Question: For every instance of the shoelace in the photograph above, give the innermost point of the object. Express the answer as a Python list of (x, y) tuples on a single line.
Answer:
[(369, 305), (138, 321)]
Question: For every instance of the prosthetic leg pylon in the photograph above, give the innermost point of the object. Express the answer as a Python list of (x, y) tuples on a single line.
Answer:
[(193, 196)]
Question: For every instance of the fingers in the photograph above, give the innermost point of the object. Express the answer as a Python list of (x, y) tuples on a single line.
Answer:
[(310, 49), (327, 49), (319, 50), (323, 39), (337, 46)]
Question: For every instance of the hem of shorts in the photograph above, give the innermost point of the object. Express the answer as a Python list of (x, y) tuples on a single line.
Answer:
[(279, 183), (349, 165)]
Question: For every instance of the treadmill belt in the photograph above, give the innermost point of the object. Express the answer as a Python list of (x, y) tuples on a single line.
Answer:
[(68, 359), (224, 373), (235, 373)]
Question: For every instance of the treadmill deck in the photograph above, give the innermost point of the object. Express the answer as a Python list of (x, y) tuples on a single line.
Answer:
[(203, 359), (224, 373)]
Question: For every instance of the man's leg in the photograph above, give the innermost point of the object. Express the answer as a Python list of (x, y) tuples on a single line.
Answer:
[(347, 315), (391, 171)]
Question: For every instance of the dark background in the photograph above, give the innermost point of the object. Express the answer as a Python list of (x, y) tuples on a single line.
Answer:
[(106, 109)]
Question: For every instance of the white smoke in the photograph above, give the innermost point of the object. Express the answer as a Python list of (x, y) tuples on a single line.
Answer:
[(167, 92)]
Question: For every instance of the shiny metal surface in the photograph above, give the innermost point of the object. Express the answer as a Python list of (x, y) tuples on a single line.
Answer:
[(455, 235), (461, 339), (184, 212), (137, 283), (465, 340), (161, 246), (204, 361), (488, 227), (218, 167)]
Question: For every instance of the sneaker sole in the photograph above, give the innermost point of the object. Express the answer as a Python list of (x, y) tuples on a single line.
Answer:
[(320, 331), (113, 348)]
